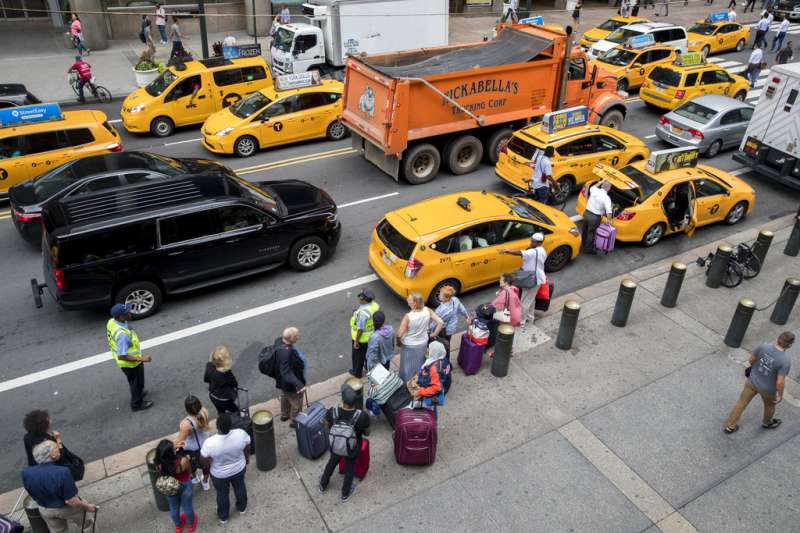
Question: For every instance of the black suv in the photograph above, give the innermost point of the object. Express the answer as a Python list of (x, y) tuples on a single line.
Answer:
[(137, 243), (96, 173)]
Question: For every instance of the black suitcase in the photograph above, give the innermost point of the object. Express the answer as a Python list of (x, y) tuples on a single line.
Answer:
[(242, 420), (401, 398)]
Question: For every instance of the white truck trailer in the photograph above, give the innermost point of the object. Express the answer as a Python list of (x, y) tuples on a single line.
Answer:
[(338, 28)]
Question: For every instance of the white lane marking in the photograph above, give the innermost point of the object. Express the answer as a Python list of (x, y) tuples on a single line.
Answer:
[(115, 121), (188, 332), (726, 64), (650, 136), (738, 171), (186, 141), (715, 59), (753, 94), (372, 199), (737, 70), (576, 218)]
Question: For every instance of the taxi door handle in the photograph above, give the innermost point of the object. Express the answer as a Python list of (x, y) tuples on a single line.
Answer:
[(201, 97), (459, 262)]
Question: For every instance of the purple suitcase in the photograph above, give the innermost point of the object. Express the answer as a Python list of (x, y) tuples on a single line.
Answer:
[(415, 437), (470, 356), (604, 237)]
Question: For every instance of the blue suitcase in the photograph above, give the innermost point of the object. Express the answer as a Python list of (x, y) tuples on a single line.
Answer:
[(312, 434)]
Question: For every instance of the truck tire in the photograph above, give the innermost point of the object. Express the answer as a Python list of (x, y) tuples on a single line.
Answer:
[(612, 119), (493, 143), (463, 154), (421, 164)]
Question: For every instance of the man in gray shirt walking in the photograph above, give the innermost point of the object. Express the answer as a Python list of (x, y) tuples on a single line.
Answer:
[(766, 377)]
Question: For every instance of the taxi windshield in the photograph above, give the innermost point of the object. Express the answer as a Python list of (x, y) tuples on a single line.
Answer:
[(665, 76), (524, 209), (645, 183), (611, 25), (283, 39), (703, 29), (621, 35), (250, 105), (618, 57), (696, 112), (161, 83)]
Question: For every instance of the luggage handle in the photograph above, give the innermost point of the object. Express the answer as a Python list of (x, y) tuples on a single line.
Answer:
[(246, 399), (305, 395), (14, 509), (94, 521)]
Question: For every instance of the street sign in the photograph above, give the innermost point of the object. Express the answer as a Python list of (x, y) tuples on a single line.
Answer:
[(566, 118), (719, 16), (640, 41), (241, 50), (297, 81), (672, 159), (29, 114), (534, 21), (691, 59)]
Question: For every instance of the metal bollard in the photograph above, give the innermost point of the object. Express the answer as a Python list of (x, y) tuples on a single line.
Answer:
[(357, 385), (761, 247), (785, 303), (669, 298), (502, 350), (739, 322), (569, 321), (793, 244), (161, 500), (719, 265), (264, 440), (624, 301), (38, 525)]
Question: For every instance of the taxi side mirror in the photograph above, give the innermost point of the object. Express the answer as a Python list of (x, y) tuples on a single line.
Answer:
[(264, 119)]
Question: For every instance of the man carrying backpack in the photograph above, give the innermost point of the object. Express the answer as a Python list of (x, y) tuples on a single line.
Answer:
[(347, 426), (287, 365)]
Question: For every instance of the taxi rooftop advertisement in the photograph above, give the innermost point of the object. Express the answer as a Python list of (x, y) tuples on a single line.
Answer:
[(566, 118), (29, 114), (675, 158)]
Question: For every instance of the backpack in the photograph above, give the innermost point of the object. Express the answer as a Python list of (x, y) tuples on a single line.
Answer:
[(268, 361), (342, 436)]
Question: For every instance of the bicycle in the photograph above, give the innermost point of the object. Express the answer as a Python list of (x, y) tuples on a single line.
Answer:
[(102, 94), (742, 264), (558, 196)]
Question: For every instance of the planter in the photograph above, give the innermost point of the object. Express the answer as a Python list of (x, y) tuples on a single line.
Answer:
[(144, 77)]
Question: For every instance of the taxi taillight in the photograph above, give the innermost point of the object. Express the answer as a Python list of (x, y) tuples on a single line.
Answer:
[(504, 148), (626, 215), (115, 147), (413, 266), (680, 94)]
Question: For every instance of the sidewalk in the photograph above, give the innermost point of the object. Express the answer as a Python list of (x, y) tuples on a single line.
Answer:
[(622, 433), (37, 57)]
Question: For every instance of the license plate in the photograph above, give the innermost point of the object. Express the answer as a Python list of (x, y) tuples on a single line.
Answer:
[(659, 89), (388, 257), (676, 131), (752, 145)]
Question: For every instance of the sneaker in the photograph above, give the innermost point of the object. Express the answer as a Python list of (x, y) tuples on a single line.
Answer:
[(222, 522), (183, 519), (322, 488), (206, 483), (352, 491), (193, 525), (178, 529), (243, 511), (197, 479), (772, 425), (734, 429), (147, 404)]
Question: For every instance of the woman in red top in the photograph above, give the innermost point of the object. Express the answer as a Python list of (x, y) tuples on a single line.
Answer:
[(169, 463)]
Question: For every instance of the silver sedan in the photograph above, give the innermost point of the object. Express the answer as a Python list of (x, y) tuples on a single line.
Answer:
[(709, 123)]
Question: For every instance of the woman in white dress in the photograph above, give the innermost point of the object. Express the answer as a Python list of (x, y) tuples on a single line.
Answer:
[(413, 335)]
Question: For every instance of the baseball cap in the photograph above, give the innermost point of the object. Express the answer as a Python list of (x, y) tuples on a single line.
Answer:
[(367, 295), (349, 396), (538, 237), (120, 309)]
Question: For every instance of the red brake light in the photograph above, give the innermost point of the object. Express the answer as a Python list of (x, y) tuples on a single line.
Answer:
[(663, 120), (695, 133), (413, 266), (22, 217), (626, 215), (583, 192), (116, 147), (504, 148), (61, 283), (680, 94)]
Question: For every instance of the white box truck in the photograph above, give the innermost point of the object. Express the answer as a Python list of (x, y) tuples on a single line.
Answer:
[(771, 145), (338, 28)]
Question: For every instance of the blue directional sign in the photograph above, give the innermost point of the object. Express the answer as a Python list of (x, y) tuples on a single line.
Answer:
[(566, 118), (720, 16), (29, 114), (535, 21)]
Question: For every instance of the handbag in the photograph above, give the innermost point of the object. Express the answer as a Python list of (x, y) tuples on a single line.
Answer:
[(503, 315), (74, 463), (168, 485), (524, 279)]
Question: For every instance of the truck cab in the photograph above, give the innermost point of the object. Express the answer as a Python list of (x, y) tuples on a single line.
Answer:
[(297, 47)]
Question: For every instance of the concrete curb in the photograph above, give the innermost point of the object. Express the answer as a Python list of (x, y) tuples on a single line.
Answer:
[(134, 457)]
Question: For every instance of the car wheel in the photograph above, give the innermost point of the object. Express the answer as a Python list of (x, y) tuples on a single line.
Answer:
[(493, 144), (558, 258), (336, 131), (433, 297), (245, 146), (613, 119), (463, 154), (565, 187), (653, 234), (741, 95), (705, 51), (421, 164), (308, 253), (162, 127), (714, 148), (736, 214), (144, 296), (740, 45)]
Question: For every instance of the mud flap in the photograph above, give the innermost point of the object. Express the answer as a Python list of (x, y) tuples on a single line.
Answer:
[(390, 164)]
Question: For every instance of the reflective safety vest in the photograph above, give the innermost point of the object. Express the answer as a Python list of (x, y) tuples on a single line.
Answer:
[(113, 329), (369, 326)]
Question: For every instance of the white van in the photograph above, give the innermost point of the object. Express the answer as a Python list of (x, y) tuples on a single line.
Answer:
[(662, 32)]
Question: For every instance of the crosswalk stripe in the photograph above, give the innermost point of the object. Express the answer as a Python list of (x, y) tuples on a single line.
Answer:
[(761, 82), (737, 70), (726, 64), (753, 94), (715, 59)]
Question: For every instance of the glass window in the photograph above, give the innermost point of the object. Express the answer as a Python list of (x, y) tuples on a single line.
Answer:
[(618, 57), (580, 146), (691, 79), (577, 69), (10, 147), (249, 105), (283, 39), (746, 113), (186, 87), (395, 241), (45, 142), (237, 217), (792, 97), (79, 136), (709, 77), (657, 55), (281, 107), (731, 117), (621, 35), (665, 76), (514, 230), (98, 184), (108, 244), (605, 143), (696, 112), (333, 97), (54, 181), (722, 76), (160, 84), (187, 227), (133, 178), (708, 188), (253, 73), (677, 34), (522, 148), (478, 236), (702, 28), (305, 42), (228, 77), (311, 100)]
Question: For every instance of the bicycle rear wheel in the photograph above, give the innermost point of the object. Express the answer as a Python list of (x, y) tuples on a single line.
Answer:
[(103, 94), (557, 198), (733, 275), (750, 263)]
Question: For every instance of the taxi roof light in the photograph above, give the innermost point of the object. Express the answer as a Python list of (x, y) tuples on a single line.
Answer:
[(565, 118), (299, 80), (30, 114), (690, 59), (672, 159)]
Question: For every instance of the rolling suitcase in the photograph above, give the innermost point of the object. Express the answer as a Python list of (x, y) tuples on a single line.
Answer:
[(415, 437), (362, 461), (604, 238), (400, 399), (312, 434), (242, 420), (7, 522), (542, 303), (470, 355)]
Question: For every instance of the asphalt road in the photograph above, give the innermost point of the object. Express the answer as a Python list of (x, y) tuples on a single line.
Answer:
[(90, 406)]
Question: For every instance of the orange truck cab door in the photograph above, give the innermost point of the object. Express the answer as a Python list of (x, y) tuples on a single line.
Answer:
[(578, 82)]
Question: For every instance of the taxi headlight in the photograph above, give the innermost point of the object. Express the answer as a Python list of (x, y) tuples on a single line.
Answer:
[(575, 232), (694, 43), (224, 132), (136, 108)]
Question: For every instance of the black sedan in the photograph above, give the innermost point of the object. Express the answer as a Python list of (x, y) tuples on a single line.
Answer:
[(92, 174)]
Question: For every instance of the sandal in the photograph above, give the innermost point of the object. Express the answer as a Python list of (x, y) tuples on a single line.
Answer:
[(732, 430), (772, 425)]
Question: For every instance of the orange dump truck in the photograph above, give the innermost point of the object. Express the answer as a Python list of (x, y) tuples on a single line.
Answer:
[(411, 112)]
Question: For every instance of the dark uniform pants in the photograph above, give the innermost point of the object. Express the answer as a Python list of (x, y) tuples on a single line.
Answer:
[(135, 378)]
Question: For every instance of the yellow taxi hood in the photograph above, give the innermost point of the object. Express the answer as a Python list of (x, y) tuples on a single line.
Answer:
[(139, 96), (221, 120)]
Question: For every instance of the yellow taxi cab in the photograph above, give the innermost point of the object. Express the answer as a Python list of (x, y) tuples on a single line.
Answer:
[(300, 107), (455, 239), (37, 138), (715, 34), (603, 30), (669, 86), (670, 193), (189, 93), (631, 63), (577, 150)]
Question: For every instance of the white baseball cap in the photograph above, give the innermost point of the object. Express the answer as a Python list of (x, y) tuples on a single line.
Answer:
[(538, 237)]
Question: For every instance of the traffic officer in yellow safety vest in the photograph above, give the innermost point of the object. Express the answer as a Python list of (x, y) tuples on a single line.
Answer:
[(361, 327), (124, 345)]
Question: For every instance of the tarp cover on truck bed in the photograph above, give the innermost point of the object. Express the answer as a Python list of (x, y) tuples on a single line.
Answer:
[(511, 46)]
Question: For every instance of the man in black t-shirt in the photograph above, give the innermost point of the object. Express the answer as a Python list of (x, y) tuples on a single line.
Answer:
[(361, 424)]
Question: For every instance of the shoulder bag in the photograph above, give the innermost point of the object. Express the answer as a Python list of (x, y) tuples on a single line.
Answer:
[(503, 315), (73, 463)]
